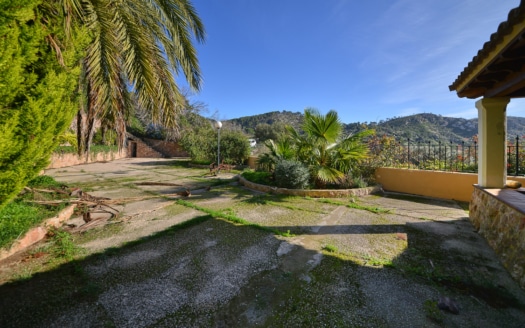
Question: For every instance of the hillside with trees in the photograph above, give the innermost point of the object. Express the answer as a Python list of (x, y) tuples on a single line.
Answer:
[(419, 127)]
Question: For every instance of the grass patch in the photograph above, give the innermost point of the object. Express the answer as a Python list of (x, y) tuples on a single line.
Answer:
[(17, 217), (373, 209), (232, 218), (432, 311), (64, 249), (330, 248), (263, 200), (259, 177)]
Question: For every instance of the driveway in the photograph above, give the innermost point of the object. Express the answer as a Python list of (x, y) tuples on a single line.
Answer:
[(226, 256)]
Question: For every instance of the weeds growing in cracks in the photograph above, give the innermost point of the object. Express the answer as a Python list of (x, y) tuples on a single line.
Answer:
[(232, 218)]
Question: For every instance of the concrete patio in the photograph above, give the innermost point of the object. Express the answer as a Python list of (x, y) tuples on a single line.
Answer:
[(370, 261)]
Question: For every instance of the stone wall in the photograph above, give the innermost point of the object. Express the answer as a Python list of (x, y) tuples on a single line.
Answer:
[(316, 193), (152, 148), (67, 159), (167, 148), (138, 148), (504, 229)]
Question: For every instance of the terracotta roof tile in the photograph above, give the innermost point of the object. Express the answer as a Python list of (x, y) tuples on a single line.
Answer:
[(516, 15)]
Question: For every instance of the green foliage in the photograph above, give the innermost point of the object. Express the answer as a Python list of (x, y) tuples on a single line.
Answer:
[(143, 44), (329, 155), (16, 218), (432, 311), (105, 137), (282, 149), (271, 118), (420, 127), (44, 181), (68, 138), (265, 131), (291, 174), (330, 248), (135, 126), (235, 147), (38, 96), (259, 177), (64, 247), (201, 143)]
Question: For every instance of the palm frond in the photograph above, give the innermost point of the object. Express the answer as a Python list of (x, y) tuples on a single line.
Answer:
[(326, 128)]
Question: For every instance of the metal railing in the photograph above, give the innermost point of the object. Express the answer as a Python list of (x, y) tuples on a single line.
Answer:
[(444, 156)]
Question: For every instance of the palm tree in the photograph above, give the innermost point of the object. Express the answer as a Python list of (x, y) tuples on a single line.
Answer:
[(138, 46), (278, 150), (329, 155)]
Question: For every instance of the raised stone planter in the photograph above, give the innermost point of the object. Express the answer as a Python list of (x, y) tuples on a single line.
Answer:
[(315, 193), (38, 233), (503, 226)]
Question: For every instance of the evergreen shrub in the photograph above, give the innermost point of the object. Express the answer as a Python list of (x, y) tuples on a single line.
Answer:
[(291, 174), (38, 95)]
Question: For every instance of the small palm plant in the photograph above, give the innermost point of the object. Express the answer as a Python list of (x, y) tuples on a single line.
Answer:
[(329, 155), (280, 150)]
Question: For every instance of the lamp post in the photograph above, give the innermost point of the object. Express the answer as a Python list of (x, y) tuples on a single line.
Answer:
[(218, 126)]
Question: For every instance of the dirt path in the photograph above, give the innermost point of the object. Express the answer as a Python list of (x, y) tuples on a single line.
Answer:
[(332, 265)]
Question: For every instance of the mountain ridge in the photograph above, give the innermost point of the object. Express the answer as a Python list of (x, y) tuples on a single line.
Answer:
[(423, 127)]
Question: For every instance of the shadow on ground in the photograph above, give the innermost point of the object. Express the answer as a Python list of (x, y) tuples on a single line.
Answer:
[(343, 267), (211, 273)]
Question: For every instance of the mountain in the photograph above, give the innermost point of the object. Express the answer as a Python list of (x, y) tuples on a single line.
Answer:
[(419, 127), (248, 123)]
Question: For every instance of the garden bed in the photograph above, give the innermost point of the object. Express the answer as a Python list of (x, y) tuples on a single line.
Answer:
[(315, 193)]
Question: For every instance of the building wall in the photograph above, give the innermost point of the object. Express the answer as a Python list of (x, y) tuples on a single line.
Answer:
[(447, 185)]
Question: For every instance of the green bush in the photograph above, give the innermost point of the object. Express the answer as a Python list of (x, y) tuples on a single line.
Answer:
[(235, 147), (291, 174), (201, 144), (258, 177), (44, 181), (39, 96)]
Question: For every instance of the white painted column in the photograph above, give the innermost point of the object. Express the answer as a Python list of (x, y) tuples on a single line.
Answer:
[(492, 135)]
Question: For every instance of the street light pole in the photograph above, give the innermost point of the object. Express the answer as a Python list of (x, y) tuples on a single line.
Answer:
[(218, 125)]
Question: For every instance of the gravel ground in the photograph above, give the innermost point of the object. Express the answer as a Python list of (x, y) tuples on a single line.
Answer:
[(341, 267)]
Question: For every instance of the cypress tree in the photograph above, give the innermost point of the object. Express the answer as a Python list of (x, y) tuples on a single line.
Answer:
[(39, 74)]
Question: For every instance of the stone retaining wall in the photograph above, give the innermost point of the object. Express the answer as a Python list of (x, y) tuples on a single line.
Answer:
[(68, 159), (316, 193), (167, 148), (504, 229)]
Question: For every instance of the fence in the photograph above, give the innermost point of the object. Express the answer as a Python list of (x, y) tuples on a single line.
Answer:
[(444, 156)]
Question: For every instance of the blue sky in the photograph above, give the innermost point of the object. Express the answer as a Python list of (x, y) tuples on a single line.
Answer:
[(368, 60)]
